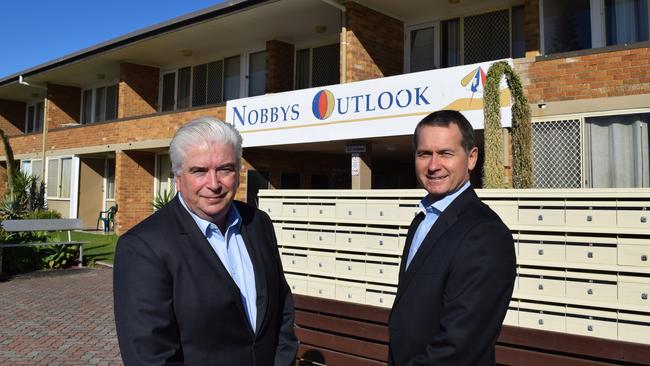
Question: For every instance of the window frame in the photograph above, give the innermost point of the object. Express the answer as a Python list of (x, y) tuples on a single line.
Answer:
[(245, 85), (59, 175), (437, 41), (598, 22), (243, 81), (93, 102), (29, 122), (30, 162), (584, 148), (310, 46), (437, 24)]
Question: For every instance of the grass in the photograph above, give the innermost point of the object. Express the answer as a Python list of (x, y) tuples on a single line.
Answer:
[(100, 247)]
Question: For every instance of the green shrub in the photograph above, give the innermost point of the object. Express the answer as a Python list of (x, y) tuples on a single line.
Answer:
[(44, 214), (162, 199), (59, 256)]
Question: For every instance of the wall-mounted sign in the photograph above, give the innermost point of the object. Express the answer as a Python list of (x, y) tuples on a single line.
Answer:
[(356, 162), (355, 148), (390, 106)]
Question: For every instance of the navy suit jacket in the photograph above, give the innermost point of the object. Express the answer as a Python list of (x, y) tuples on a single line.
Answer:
[(176, 304), (452, 299)]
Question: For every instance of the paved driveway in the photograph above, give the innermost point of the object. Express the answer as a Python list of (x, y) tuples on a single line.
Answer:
[(58, 318)]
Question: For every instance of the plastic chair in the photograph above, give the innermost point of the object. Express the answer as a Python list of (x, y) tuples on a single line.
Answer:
[(108, 218)]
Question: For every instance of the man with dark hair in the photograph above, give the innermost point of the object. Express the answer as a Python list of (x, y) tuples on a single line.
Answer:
[(458, 266), (200, 281)]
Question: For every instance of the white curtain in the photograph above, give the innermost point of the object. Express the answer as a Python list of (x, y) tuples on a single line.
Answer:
[(618, 151)]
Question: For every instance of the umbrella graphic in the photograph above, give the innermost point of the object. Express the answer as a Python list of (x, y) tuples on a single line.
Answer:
[(473, 81)]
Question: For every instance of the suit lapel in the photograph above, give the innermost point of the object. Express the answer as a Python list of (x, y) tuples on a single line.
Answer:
[(446, 220), (253, 241), (190, 235)]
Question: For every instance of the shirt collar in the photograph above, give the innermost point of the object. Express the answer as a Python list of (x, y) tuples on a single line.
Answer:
[(233, 219), (440, 205)]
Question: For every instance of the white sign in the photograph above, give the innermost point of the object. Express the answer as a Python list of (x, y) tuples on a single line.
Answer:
[(390, 106), (355, 164)]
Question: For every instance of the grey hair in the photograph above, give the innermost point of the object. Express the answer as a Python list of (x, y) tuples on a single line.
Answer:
[(203, 130)]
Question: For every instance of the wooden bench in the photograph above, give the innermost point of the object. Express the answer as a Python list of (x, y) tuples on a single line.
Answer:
[(336, 333), (14, 226)]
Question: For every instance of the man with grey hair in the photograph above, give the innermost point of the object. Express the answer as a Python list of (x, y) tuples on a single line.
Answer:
[(200, 281)]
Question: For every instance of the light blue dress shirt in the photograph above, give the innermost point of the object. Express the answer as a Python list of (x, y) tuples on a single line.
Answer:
[(232, 252), (432, 211)]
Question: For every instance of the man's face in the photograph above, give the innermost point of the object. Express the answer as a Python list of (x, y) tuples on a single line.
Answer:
[(441, 163), (209, 180)]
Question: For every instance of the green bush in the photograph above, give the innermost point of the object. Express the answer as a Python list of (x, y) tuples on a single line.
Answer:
[(27, 202), (44, 214), (59, 256), (162, 199)]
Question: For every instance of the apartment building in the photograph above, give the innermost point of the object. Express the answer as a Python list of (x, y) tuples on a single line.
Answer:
[(326, 94)]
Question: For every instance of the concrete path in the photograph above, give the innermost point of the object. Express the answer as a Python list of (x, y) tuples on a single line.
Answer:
[(58, 318)]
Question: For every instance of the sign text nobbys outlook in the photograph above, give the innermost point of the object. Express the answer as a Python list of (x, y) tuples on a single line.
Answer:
[(326, 105)]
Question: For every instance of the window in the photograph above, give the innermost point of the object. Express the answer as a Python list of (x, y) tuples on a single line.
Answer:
[(32, 168), (567, 25), (486, 37), (207, 84), (582, 24), (450, 42), (318, 66), (556, 147), (212, 83), (176, 86), (422, 49), (231, 75), (168, 90), (466, 40), (618, 152), (257, 73), (59, 173), (518, 45), (34, 122), (164, 175), (183, 96), (99, 104), (614, 151), (626, 21)]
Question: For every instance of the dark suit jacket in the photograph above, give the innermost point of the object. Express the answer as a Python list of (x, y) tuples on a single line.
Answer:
[(451, 301), (176, 304)]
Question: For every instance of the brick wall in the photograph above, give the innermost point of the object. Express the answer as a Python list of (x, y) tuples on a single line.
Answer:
[(598, 75), (375, 44), (279, 66), (134, 178), (138, 90), (154, 127), (63, 106), (12, 117), (531, 26)]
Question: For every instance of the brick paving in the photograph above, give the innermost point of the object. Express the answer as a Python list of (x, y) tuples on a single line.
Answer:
[(58, 318)]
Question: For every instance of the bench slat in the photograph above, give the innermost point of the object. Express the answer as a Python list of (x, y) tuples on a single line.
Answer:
[(15, 245), (42, 225)]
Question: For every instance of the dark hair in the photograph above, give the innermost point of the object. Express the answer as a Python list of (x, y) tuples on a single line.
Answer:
[(444, 118)]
